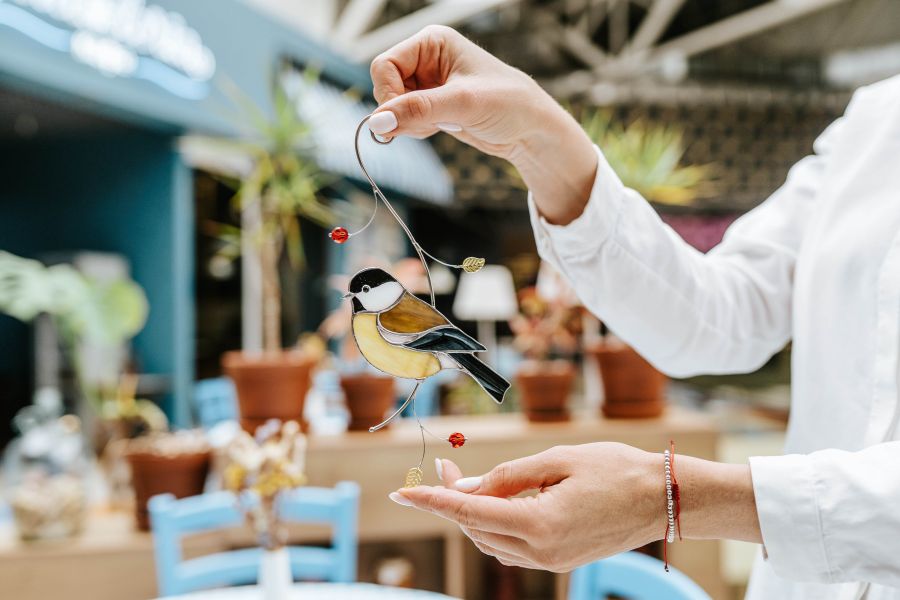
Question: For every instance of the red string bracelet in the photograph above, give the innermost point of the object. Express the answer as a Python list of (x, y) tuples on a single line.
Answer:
[(673, 503)]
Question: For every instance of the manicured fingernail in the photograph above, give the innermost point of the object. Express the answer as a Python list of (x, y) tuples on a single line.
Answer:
[(399, 499), (439, 467), (383, 122), (449, 127), (468, 484)]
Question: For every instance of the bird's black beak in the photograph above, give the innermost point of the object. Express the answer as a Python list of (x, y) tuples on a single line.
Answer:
[(357, 305)]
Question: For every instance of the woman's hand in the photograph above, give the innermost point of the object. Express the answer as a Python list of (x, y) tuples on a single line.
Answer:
[(439, 80), (594, 500)]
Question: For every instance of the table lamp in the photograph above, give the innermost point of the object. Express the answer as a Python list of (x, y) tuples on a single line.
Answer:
[(486, 297)]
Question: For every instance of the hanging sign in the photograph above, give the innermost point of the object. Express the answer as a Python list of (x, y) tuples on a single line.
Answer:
[(119, 38)]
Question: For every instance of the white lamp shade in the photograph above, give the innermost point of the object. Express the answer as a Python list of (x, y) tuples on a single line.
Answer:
[(488, 295)]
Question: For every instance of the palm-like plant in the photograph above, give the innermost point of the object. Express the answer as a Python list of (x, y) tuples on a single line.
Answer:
[(283, 186), (647, 158)]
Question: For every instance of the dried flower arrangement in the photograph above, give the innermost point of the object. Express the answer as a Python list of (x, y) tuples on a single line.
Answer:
[(263, 467)]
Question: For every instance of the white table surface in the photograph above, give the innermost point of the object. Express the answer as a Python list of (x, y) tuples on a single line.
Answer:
[(318, 591)]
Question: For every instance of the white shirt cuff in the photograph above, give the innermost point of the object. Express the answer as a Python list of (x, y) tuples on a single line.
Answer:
[(583, 236), (785, 488)]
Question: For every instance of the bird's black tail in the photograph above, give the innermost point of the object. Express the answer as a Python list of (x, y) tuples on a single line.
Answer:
[(486, 377)]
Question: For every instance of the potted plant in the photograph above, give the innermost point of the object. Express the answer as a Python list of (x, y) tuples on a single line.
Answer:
[(632, 387), (281, 187), (90, 318), (167, 463), (647, 158), (547, 332)]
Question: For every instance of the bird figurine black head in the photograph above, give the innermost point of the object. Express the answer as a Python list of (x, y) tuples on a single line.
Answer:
[(374, 290), (404, 336)]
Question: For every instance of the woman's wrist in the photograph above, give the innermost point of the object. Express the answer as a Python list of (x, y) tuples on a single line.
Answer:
[(557, 162), (717, 500)]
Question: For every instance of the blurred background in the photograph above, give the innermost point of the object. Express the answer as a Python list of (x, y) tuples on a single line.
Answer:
[(176, 177)]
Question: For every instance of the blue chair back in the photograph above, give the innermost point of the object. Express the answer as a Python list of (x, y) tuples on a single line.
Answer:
[(215, 401), (171, 519), (634, 576)]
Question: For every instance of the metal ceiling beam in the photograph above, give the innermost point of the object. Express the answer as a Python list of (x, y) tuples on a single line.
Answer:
[(356, 18), (618, 25), (654, 24), (445, 12), (593, 16), (315, 18), (577, 44), (742, 25)]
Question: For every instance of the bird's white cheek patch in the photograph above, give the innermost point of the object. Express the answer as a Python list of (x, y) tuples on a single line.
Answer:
[(382, 297)]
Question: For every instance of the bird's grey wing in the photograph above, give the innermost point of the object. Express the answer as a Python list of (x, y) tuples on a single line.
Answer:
[(447, 339)]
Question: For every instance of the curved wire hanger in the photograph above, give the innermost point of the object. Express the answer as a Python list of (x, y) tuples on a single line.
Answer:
[(470, 264)]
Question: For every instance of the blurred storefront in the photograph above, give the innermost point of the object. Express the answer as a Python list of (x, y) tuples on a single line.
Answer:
[(94, 97)]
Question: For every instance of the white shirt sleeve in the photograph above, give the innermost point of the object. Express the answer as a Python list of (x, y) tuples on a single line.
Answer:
[(687, 313), (831, 516)]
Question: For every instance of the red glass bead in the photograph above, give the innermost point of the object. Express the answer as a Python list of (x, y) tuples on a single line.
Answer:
[(339, 235), (456, 440)]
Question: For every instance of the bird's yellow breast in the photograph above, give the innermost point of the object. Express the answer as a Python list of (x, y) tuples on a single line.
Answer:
[(393, 360)]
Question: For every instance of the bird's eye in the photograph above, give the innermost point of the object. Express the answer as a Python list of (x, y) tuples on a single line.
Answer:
[(366, 289)]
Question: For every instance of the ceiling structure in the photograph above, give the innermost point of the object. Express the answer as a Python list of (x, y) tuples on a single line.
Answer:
[(583, 47), (751, 82)]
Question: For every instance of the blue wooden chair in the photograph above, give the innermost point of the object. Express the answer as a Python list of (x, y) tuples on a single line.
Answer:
[(171, 519), (215, 401), (634, 576)]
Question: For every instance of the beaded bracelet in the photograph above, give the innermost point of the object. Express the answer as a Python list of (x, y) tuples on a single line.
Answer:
[(673, 502)]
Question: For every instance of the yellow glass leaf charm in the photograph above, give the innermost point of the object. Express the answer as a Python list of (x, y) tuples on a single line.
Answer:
[(413, 477), (472, 264)]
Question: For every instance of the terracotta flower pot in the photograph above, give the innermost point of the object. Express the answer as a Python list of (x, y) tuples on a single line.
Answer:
[(369, 397), (544, 390), (181, 475), (632, 387), (269, 386)]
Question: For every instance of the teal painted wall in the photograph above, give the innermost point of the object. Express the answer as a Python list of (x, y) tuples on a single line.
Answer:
[(125, 192)]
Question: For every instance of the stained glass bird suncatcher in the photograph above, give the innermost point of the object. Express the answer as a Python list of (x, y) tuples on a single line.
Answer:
[(406, 337)]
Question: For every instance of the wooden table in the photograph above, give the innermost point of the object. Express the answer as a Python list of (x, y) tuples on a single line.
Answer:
[(111, 560), (318, 591)]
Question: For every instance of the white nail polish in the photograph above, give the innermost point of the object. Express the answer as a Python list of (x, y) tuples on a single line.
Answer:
[(383, 122), (468, 484), (439, 467), (399, 499), (448, 127)]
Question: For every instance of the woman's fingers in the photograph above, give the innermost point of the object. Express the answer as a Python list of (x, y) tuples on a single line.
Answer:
[(510, 478), (421, 113), (504, 558), (421, 61), (447, 471), (477, 512), (509, 545), (506, 549)]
